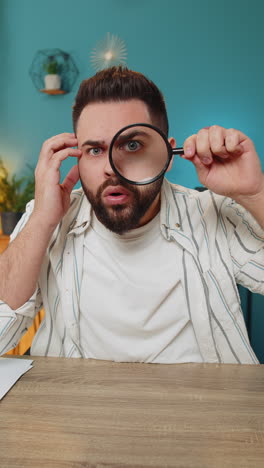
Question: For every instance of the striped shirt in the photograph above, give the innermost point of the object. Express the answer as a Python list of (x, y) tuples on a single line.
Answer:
[(220, 244)]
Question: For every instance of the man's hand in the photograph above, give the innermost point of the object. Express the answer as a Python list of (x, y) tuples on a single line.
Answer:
[(52, 199), (227, 163), (21, 262)]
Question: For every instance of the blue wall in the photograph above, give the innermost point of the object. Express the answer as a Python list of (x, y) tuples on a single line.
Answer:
[(205, 55)]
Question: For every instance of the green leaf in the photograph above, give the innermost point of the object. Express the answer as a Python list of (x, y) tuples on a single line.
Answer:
[(15, 192)]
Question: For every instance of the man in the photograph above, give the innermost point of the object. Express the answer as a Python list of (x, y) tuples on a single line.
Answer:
[(130, 273)]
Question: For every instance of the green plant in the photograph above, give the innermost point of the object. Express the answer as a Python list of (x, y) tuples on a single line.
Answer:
[(15, 192), (51, 67)]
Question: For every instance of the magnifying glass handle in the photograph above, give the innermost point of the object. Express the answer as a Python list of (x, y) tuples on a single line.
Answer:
[(177, 151)]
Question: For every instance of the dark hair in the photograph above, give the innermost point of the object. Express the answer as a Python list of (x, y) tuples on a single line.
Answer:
[(121, 84)]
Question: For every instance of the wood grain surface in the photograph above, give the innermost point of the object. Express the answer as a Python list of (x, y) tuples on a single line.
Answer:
[(87, 413)]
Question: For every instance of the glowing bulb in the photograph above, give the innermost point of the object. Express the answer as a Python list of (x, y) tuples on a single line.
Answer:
[(108, 52), (108, 55)]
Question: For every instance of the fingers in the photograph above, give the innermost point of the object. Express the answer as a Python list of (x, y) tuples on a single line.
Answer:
[(199, 145), (233, 141), (55, 144), (213, 143), (71, 179), (217, 141), (55, 150), (52, 199), (203, 148), (57, 158)]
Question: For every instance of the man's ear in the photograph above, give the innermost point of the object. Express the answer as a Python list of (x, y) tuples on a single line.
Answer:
[(172, 142)]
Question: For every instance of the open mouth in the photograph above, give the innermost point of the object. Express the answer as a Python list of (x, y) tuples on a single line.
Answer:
[(115, 195)]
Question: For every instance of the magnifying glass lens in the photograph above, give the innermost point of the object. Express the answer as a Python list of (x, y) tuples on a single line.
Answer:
[(139, 154)]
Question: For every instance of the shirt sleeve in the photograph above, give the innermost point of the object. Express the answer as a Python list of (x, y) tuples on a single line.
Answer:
[(246, 243), (15, 323)]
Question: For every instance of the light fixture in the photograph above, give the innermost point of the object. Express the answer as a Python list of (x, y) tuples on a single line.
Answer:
[(108, 52)]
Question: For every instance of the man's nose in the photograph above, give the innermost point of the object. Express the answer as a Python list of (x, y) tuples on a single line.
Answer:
[(108, 168)]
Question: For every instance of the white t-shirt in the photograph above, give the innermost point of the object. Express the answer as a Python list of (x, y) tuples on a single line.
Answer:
[(132, 302)]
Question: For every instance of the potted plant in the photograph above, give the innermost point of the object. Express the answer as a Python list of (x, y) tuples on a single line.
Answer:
[(52, 78), (15, 193)]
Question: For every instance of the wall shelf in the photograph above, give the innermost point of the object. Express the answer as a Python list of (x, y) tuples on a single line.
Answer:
[(65, 68), (52, 91)]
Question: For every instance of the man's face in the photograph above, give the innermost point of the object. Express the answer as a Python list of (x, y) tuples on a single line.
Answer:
[(118, 205)]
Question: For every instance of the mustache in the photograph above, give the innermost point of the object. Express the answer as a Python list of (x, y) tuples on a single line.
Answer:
[(113, 182)]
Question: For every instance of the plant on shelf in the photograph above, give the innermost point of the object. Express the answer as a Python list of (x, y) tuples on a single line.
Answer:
[(52, 78), (15, 193), (51, 67)]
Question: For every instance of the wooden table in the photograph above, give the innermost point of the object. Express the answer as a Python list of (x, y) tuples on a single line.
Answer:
[(85, 413)]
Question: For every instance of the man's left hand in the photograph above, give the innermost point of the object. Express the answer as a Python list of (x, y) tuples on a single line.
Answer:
[(226, 162)]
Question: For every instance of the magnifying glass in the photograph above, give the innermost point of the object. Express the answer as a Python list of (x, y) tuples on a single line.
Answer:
[(140, 153)]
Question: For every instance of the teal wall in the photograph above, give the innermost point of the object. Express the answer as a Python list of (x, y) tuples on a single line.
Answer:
[(205, 55)]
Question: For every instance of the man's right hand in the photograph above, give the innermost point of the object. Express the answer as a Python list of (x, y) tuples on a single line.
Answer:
[(21, 262), (52, 199)]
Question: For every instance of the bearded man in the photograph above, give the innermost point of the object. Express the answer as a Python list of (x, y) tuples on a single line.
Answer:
[(143, 273)]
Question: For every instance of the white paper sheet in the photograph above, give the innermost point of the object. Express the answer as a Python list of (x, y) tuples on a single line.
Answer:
[(11, 370)]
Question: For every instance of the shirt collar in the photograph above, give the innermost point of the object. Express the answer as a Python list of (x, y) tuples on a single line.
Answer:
[(169, 216), (82, 217)]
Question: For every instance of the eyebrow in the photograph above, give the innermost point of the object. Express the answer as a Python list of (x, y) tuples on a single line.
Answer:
[(120, 139), (132, 134), (93, 143)]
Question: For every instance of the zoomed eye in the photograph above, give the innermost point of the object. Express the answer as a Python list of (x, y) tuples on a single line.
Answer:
[(133, 145)]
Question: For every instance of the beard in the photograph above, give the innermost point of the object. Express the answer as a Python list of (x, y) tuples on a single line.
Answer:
[(124, 217)]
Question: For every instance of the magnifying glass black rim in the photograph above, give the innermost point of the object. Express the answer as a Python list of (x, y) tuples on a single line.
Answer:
[(169, 148)]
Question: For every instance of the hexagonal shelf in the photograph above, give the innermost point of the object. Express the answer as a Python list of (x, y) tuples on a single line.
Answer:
[(54, 63)]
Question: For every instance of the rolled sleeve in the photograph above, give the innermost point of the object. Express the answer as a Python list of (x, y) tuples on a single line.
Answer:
[(246, 245), (23, 221), (15, 323)]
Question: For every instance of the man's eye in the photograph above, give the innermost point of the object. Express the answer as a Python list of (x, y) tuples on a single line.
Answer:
[(132, 145), (94, 151)]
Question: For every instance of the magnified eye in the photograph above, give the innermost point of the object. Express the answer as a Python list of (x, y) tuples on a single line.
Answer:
[(132, 145), (139, 153)]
